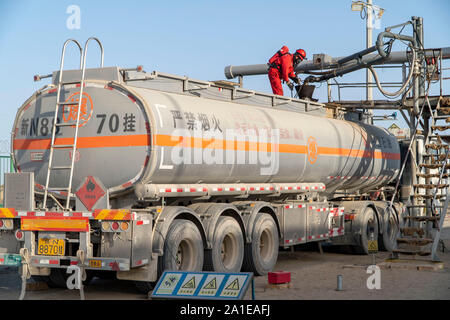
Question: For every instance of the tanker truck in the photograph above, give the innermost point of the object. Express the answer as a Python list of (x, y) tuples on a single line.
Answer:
[(128, 172)]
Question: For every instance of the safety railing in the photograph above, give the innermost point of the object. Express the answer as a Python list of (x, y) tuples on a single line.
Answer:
[(362, 85)]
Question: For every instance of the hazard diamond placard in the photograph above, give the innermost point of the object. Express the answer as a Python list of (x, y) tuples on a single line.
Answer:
[(90, 192)]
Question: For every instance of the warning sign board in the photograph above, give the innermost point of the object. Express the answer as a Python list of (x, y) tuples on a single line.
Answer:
[(372, 246), (211, 285), (169, 282), (190, 284), (90, 192), (233, 286), (202, 285)]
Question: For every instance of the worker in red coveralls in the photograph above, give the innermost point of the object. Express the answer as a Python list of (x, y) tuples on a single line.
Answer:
[(281, 67)]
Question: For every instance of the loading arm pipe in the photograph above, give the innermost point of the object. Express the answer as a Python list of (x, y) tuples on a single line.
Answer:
[(397, 57)]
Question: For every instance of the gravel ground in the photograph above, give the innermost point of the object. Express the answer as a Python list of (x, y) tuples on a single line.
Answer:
[(313, 277)]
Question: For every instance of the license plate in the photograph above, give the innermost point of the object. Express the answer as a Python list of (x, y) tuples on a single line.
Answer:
[(51, 247), (95, 263)]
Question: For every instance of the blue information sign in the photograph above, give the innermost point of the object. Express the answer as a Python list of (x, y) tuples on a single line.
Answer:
[(202, 285)]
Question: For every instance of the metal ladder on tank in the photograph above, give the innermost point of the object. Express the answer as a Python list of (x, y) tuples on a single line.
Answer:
[(53, 146), (415, 235)]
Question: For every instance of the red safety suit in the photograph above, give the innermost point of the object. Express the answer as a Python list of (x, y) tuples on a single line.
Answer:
[(281, 67)]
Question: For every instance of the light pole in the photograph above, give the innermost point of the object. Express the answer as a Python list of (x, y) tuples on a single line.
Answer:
[(368, 9), (369, 29)]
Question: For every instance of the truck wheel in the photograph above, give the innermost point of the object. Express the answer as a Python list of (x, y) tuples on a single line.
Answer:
[(227, 251), (58, 278), (390, 231), (261, 254), (369, 224), (144, 286), (183, 248)]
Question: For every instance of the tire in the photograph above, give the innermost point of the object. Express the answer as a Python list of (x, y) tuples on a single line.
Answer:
[(260, 256), (144, 286), (227, 253), (105, 275), (388, 240), (368, 221), (183, 247), (45, 279), (58, 278)]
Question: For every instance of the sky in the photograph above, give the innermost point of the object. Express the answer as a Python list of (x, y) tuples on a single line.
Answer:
[(194, 38)]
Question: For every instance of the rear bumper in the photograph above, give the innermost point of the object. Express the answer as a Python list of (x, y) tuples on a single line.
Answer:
[(119, 250), (105, 264)]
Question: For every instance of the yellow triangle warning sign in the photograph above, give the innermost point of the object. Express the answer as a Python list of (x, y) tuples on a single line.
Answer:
[(190, 284), (234, 285), (211, 285), (372, 246)]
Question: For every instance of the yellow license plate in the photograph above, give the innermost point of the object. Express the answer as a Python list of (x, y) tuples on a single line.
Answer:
[(51, 247), (95, 263)]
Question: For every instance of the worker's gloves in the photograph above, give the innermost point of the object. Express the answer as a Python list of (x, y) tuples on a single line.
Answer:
[(290, 85), (296, 80)]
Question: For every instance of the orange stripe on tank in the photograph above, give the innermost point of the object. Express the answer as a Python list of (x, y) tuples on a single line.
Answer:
[(192, 142), (85, 142)]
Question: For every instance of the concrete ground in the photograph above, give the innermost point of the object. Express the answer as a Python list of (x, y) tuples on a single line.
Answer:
[(313, 277)]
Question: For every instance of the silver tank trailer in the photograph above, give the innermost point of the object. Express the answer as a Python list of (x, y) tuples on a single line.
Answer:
[(133, 135)]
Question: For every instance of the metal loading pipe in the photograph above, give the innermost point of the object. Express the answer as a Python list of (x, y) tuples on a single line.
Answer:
[(397, 57)]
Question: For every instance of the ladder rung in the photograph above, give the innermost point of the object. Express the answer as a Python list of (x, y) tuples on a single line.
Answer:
[(429, 196), (440, 155), (418, 252), (67, 103), (442, 117), (430, 186), (436, 146), (415, 241), (58, 189), (70, 82), (440, 128), (439, 136), (444, 110), (60, 168), (63, 146), (434, 165), (69, 124), (432, 175), (410, 231)]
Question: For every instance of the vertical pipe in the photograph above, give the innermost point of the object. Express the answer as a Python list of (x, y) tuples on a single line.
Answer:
[(419, 88), (329, 90), (241, 81), (339, 283), (403, 73), (1, 170), (440, 72), (421, 43), (369, 95), (416, 92)]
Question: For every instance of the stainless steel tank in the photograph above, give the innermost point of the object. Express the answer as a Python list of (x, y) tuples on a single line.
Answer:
[(131, 134)]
